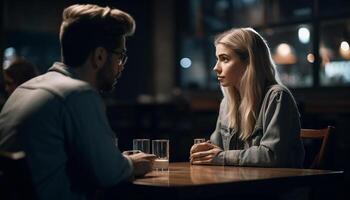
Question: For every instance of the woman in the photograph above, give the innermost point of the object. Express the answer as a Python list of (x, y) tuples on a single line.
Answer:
[(258, 123)]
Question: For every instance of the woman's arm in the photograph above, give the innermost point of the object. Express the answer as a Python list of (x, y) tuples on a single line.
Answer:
[(280, 144)]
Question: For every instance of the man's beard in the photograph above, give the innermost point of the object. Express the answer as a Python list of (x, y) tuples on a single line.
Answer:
[(115, 82), (105, 82)]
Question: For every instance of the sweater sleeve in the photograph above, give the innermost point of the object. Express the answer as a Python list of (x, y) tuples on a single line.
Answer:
[(281, 129), (92, 142)]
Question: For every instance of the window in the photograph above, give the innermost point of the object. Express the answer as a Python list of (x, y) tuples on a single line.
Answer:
[(291, 49), (335, 53), (278, 11), (292, 29)]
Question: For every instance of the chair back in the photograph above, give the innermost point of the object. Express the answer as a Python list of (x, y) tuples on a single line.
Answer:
[(317, 134), (15, 178)]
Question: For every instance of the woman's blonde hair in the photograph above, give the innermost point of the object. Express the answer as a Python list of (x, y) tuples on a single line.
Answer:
[(243, 104)]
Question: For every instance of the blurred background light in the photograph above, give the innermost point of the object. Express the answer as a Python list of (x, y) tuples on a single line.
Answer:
[(304, 35), (310, 58), (344, 50), (185, 63), (283, 49)]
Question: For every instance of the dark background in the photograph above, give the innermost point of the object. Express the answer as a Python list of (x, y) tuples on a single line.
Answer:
[(150, 100)]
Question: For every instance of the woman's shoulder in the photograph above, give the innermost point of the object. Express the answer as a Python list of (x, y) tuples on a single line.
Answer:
[(279, 93), (277, 88)]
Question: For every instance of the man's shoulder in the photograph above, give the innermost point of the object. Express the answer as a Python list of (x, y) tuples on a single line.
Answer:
[(58, 84)]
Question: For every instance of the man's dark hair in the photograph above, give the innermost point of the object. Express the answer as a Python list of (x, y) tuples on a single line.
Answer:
[(86, 27), (21, 70)]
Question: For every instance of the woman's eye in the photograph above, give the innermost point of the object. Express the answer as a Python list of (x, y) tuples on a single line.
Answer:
[(224, 59)]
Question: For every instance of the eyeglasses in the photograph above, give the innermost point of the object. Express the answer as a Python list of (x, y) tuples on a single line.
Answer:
[(123, 57)]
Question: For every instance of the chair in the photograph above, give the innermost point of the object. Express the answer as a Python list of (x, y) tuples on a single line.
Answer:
[(15, 179), (317, 162)]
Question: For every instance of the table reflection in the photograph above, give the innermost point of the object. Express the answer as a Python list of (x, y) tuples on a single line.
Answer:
[(185, 174)]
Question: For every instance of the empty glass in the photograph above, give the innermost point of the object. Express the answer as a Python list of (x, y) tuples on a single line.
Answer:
[(141, 144)]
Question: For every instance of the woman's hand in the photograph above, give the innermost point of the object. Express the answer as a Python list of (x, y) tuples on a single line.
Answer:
[(204, 153)]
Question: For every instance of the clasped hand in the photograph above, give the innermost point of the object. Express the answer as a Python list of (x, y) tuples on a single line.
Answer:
[(143, 163), (204, 153)]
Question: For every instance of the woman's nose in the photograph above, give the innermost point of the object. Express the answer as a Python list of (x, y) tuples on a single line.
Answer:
[(216, 68)]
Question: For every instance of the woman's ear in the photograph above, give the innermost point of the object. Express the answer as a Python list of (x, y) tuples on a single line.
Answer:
[(99, 57)]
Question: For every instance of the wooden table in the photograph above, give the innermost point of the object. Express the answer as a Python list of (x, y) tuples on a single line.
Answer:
[(185, 181)]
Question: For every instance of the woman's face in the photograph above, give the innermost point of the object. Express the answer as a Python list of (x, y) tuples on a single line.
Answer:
[(229, 68)]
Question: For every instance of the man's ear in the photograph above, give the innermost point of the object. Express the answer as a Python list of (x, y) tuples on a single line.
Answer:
[(99, 57)]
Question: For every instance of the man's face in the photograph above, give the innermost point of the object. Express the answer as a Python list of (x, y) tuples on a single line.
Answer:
[(107, 76)]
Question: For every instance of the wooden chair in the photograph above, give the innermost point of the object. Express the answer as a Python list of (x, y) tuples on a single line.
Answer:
[(15, 179), (322, 135)]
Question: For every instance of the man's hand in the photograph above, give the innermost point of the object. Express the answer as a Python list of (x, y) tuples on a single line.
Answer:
[(143, 163), (204, 153)]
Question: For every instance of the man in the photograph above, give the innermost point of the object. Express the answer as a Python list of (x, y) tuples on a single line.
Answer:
[(58, 118)]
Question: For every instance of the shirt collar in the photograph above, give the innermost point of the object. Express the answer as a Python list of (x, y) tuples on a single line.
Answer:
[(63, 69)]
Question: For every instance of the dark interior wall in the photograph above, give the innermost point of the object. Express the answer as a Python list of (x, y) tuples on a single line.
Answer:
[(138, 70), (32, 15), (32, 27), (1, 48)]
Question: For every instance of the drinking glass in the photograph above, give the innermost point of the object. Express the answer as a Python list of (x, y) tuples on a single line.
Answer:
[(199, 140), (141, 144), (160, 148)]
